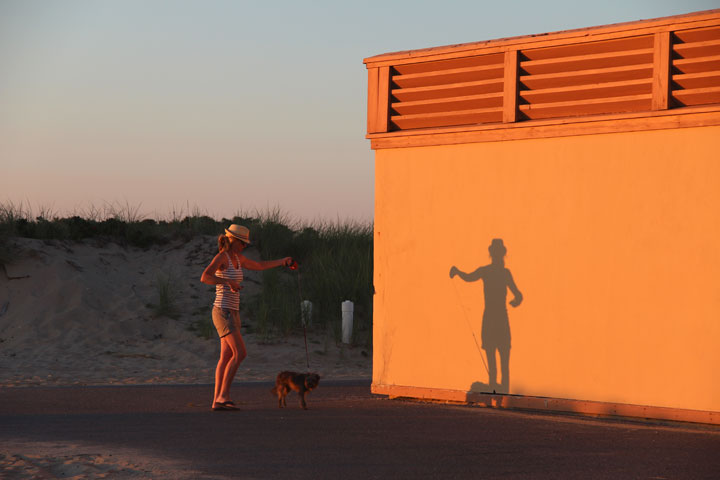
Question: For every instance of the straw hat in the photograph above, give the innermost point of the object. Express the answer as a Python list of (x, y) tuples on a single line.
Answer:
[(239, 232)]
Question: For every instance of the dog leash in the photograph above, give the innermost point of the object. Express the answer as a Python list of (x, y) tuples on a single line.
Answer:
[(482, 357), (294, 266)]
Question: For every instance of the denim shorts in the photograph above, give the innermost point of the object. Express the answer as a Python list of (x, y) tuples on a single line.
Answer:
[(225, 321)]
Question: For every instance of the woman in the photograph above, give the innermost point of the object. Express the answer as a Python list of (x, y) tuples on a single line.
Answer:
[(226, 272)]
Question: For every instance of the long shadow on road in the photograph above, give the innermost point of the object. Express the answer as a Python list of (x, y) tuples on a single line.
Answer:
[(349, 433)]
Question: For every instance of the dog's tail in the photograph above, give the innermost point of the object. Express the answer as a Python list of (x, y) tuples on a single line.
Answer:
[(274, 390)]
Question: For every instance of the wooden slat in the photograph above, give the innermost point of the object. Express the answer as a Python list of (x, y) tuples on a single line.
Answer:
[(372, 100), (510, 89), (589, 48), (383, 110), (696, 34), (589, 91), (463, 62), (584, 77), (697, 96), (466, 117), (697, 65), (697, 49), (628, 103), (449, 90), (697, 80), (585, 62), (661, 71), (469, 102), (448, 76)]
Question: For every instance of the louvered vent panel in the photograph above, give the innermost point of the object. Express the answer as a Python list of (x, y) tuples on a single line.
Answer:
[(612, 76), (696, 67), (443, 93)]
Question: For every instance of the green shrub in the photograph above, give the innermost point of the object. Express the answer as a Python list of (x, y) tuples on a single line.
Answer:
[(80, 228)]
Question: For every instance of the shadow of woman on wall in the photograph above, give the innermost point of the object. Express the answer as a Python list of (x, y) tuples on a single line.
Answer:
[(495, 324)]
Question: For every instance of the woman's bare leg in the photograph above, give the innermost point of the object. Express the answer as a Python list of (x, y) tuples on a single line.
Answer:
[(225, 355), (236, 345)]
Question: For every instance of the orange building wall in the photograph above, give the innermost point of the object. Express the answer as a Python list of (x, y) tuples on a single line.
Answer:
[(614, 241)]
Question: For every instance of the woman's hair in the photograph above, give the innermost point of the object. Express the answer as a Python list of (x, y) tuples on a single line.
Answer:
[(223, 243)]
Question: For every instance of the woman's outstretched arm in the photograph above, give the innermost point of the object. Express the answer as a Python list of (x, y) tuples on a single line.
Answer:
[(263, 265)]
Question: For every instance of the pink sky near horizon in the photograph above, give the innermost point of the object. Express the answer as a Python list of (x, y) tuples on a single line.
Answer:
[(224, 106)]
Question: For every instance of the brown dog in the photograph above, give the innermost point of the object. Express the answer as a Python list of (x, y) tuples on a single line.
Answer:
[(300, 382)]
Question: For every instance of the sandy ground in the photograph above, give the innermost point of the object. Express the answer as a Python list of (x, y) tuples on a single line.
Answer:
[(81, 314), (47, 460)]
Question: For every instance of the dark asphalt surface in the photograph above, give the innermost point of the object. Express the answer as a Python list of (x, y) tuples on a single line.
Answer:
[(348, 433)]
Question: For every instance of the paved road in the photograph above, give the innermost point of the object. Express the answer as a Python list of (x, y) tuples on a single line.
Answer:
[(348, 433)]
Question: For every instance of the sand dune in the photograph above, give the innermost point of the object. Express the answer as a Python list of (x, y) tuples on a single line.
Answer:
[(80, 314)]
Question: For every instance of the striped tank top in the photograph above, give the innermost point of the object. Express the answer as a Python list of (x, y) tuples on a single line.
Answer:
[(224, 296)]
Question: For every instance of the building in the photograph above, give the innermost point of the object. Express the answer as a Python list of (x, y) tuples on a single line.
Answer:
[(591, 158)]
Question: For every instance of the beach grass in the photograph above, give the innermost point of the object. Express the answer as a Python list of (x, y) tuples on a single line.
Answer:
[(335, 259), (166, 304)]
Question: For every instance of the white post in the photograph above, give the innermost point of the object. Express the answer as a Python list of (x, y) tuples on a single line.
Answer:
[(347, 321), (306, 312)]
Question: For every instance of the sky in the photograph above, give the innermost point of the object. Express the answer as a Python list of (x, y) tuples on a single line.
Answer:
[(221, 107)]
